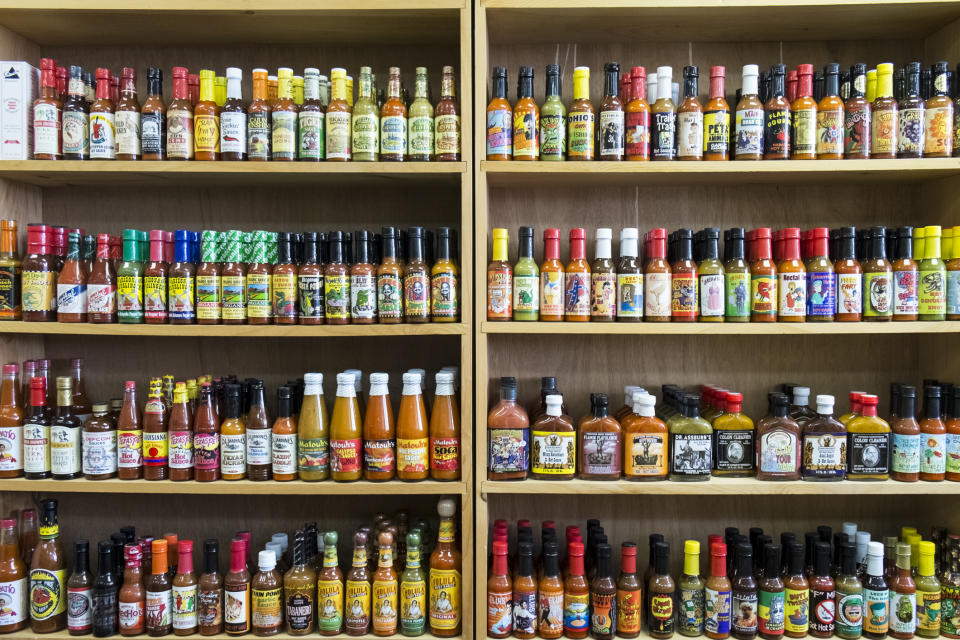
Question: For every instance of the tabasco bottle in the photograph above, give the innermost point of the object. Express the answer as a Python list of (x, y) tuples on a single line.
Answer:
[(884, 116), (206, 121), (76, 119), (803, 117), (445, 565), (580, 118), (47, 142), (180, 119)]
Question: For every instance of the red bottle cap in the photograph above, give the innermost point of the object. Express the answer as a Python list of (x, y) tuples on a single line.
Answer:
[(194, 78), (639, 84), (10, 369), (156, 246), (657, 243), (761, 243), (238, 553), (523, 523), (38, 391), (103, 83), (548, 524), (130, 385), (790, 244), (38, 238), (48, 64), (576, 549), (791, 85), (868, 404), (718, 558), (734, 402), (8, 523), (499, 522), (128, 73), (132, 554), (551, 244), (185, 556), (103, 246), (499, 548), (578, 243), (48, 72)]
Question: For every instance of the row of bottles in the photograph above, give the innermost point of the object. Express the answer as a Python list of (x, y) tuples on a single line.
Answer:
[(150, 586), (696, 436), (230, 277), (844, 584), (765, 275), (222, 429), (775, 116), (290, 118)]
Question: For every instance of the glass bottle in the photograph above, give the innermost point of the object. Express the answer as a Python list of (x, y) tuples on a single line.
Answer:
[(690, 599), (749, 118), (393, 121), (610, 126), (412, 431), (716, 119), (76, 119), (690, 443), (830, 117), (526, 279), (580, 118), (184, 591), (385, 618), (206, 439), (236, 591), (445, 577), (932, 437), (179, 119), (884, 116), (803, 117), (629, 287), (778, 443), (684, 294), (733, 442), (420, 120), (932, 277), (413, 589), (554, 443), (711, 277), (902, 608), (36, 433), (791, 273), (577, 279), (824, 444), (857, 116), (338, 118), (105, 591), (664, 119), (346, 445), (553, 119), (938, 116), (283, 119), (102, 121), (877, 278), (645, 441), (159, 602), (736, 277), (603, 279), (868, 443), (65, 445), (763, 278), (311, 133), (524, 596), (576, 595), (298, 587), (444, 276), (910, 136), (500, 279), (80, 603), (849, 278), (601, 442), (499, 119), (776, 124), (72, 285), (416, 278), (11, 427), (928, 595), (821, 279), (771, 597), (500, 594), (661, 594), (508, 436), (446, 119)]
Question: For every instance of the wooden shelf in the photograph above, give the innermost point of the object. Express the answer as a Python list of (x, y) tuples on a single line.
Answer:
[(78, 173), (235, 487), (527, 174), (719, 487), (720, 328), (234, 331), (26, 634), (552, 21), (221, 22)]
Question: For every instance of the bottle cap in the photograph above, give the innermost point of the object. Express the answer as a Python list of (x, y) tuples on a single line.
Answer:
[(267, 560)]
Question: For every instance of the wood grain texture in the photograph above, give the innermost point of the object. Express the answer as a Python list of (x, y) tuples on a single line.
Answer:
[(232, 331), (721, 328), (234, 487)]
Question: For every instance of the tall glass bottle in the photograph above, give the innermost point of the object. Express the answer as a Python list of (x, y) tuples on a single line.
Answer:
[(393, 121), (553, 119), (690, 118), (526, 279), (420, 120), (580, 118), (776, 123), (932, 278), (338, 118), (690, 443), (884, 117), (803, 117), (365, 126), (499, 119), (857, 116), (663, 119), (610, 126), (910, 116)]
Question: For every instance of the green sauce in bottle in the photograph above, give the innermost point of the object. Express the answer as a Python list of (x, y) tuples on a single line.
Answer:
[(526, 280), (690, 443), (130, 280), (553, 119), (928, 594), (736, 276), (933, 274), (691, 597)]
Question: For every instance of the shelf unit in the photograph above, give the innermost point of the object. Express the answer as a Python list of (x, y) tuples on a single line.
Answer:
[(220, 195), (603, 357)]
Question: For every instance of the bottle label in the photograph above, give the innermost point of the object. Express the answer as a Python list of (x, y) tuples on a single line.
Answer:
[(9, 291), (393, 135), (553, 136), (416, 295), (103, 136), (36, 448), (903, 613), (14, 594), (499, 132), (849, 296), (48, 596), (906, 453), (628, 611), (445, 454), (576, 611), (310, 296), (104, 612), (207, 133), (928, 612), (329, 611), (101, 298), (65, 458), (856, 130), (778, 452), (792, 287), (629, 295), (825, 455), (310, 135), (645, 455), (208, 297), (209, 608), (551, 293), (554, 452), (932, 299), (637, 134), (258, 295), (38, 290), (711, 295), (716, 618), (71, 298), (776, 133), (603, 619), (601, 452), (499, 302), (829, 132), (179, 134), (938, 123), (611, 134), (412, 455), (690, 618), (525, 294), (79, 606), (690, 454), (763, 300), (770, 612), (750, 126), (129, 449), (153, 130), (180, 298), (603, 296), (265, 612), (443, 295), (797, 610), (804, 131), (933, 453), (284, 295), (736, 288), (130, 297), (716, 139), (577, 294), (284, 453), (206, 451), (366, 131), (524, 611), (130, 615), (236, 609), (869, 453), (883, 135), (821, 293), (661, 613), (233, 449), (389, 296), (683, 295), (233, 132), (822, 611), (283, 134), (420, 135), (338, 135), (509, 450), (733, 449), (910, 133), (346, 455), (258, 447), (358, 605), (128, 132), (313, 454), (663, 138), (949, 609), (953, 458), (258, 136), (413, 605), (657, 294), (378, 455), (185, 607), (878, 292), (233, 292), (744, 612), (155, 297), (953, 292), (690, 134), (11, 455), (76, 133), (446, 136), (181, 449), (580, 136), (385, 606)]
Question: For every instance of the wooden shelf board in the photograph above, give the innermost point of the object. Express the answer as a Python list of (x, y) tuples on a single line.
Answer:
[(78, 173), (26, 634), (551, 21), (234, 331), (235, 487), (220, 22), (718, 486), (513, 174), (720, 328)]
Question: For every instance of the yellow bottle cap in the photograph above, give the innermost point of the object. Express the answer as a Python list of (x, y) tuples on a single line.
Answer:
[(581, 72), (337, 72), (691, 557), (500, 239), (885, 69), (927, 552), (914, 540), (933, 231), (501, 234), (906, 531), (207, 74), (282, 72)]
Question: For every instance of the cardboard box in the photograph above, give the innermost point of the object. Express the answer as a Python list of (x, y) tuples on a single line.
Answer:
[(20, 84)]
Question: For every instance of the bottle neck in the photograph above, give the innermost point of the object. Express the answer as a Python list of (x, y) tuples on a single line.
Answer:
[(180, 88), (611, 82), (553, 85), (805, 86), (716, 86), (884, 85), (500, 87), (690, 89)]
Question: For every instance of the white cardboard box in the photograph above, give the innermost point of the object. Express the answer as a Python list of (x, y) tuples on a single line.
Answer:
[(20, 84)]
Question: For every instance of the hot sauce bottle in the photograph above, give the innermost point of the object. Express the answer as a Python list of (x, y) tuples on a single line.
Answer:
[(869, 443), (603, 280), (72, 285), (232, 125), (637, 125), (208, 303), (717, 595), (554, 443), (526, 280), (877, 278), (763, 279), (603, 597), (577, 280), (733, 444), (346, 444), (266, 591), (689, 136), (378, 432), (610, 127), (206, 439), (13, 579), (180, 119), (180, 436), (716, 119), (127, 117), (155, 282), (412, 431), (628, 593), (284, 438), (645, 441), (47, 142), (902, 609), (132, 597), (576, 594), (385, 597), (803, 117), (76, 119), (180, 282), (185, 591), (749, 120), (500, 594), (551, 278), (932, 277), (932, 437), (11, 429), (824, 444), (830, 117), (778, 443), (508, 443), (283, 119), (206, 120), (526, 119), (258, 120), (101, 285), (796, 594), (580, 118), (445, 430), (553, 119), (38, 277), (629, 290), (10, 274), (885, 120), (357, 597), (684, 294), (663, 141), (159, 602), (499, 119), (80, 595), (236, 591), (366, 121), (744, 597), (938, 116), (601, 442), (129, 436), (849, 278), (821, 280), (153, 118), (910, 135), (258, 435), (657, 278), (329, 592), (736, 277), (210, 592), (771, 597), (776, 124), (661, 594), (792, 279), (444, 275), (690, 599), (130, 280), (102, 124), (416, 279), (856, 120), (524, 597)]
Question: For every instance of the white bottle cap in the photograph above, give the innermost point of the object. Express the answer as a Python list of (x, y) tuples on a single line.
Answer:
[(267, 560), (234, 73), (345, 385), (628, 391), (643, 404), (604, 251), (282, 539), (849, 528), (801, 396), (311, 71), (652, 88), (312, 384), (664, 77), (750, 74), (629, 242), (357, 379), (379, 378), (554, 405), (825, 405)]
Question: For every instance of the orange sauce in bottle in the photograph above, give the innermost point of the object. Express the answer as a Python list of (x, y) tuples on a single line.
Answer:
[(284, 438), (445, 579), (11, 428), (412, 431), (379, 443), (849, 278), (763, 279), (657, 277), (577, 280), (551, 278), (445, 430), (792, 279), (346, 444)]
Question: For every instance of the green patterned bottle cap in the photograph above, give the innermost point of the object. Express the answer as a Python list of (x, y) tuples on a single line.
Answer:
[(232, 252), (208, 250)]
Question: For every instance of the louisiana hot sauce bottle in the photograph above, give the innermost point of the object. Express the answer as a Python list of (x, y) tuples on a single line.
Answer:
[(445, 579)]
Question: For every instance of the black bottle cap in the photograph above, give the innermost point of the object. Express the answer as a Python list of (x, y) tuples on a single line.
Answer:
[(553, 69), (499, 72), (612, 66), (831, 68), (526, 72)]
